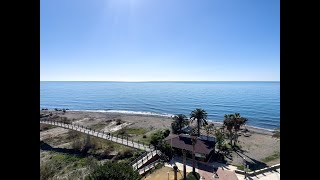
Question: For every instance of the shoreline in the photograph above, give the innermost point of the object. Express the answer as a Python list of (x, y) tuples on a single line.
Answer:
[(252, 129), (258, 146)]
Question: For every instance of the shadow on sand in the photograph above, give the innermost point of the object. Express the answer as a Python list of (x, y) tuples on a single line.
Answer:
[(253, 163)]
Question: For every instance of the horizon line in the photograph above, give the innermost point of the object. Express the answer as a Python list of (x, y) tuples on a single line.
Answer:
[(147, 81)]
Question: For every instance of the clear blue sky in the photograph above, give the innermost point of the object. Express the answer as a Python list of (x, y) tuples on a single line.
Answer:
[(160, 40)]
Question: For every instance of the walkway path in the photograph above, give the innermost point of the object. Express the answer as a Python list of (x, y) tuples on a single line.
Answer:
[(207, 172), (99, 134)]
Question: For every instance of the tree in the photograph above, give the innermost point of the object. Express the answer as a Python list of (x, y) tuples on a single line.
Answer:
[(157, 137), (234, 122), (166, 150), (209, 129), (194, 142), (184, 152), (239, 121), (228, 122), (201, 116), (179, 122), (219, 140), (114, 171), (166, 133)]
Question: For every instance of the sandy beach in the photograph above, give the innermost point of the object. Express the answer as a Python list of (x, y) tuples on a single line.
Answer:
[(258, 146)]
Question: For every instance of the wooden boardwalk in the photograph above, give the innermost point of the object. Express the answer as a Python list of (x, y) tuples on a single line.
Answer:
[(100, 134), (136, 164)]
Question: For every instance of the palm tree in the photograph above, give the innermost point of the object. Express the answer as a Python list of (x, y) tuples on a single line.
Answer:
[(194, 142), (184, 152), (229, 122), (219, 140), (238, 122), (201, 116), (181, 120)]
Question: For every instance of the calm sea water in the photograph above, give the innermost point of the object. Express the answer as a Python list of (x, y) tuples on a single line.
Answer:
[(258, 101)]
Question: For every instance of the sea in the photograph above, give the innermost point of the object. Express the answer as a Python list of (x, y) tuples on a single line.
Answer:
[(257, 101)]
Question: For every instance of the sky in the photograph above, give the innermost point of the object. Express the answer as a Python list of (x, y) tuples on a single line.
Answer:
[(160, 40)]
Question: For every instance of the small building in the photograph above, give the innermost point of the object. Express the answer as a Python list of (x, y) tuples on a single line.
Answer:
[(204, 146), (187, 129)]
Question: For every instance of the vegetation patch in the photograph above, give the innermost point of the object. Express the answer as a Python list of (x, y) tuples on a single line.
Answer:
[(61, 164), (44, 127), (98, 126), (64, 157), (111, 170), (131, 131), (192, 176), (276, 133), (241, 167), (272, 157)]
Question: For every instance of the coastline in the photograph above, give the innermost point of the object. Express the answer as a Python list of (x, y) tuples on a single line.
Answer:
[(258, 146), (143, 115)]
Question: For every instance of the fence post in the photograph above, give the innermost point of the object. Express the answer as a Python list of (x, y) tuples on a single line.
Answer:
[(127, 141)]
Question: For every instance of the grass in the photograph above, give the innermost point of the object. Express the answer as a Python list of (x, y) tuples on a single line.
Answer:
[(191, 176), (111, 146), (241, 167), (272, 157), (145, 140), (136, 131), (60, 164), (132, 131), (44, 127), (57, 140), (65, 158), (98, 126)]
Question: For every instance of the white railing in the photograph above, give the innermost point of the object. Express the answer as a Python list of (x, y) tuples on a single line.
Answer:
[(148, 167), (101, 134), (144, 158)]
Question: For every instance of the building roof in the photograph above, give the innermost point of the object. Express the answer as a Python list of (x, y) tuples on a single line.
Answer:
[(226, 175), (184, 142), (186, 129)]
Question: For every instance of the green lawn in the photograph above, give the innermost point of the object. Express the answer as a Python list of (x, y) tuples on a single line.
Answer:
[(131, 131)]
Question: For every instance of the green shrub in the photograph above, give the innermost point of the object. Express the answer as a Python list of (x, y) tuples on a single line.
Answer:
[(118, 121), (114, 171), (156, 138), (276, 133), (191, 176), (47, 171), (166, 133)]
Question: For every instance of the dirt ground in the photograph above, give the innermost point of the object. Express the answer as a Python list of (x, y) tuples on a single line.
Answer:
[(161, 174)]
